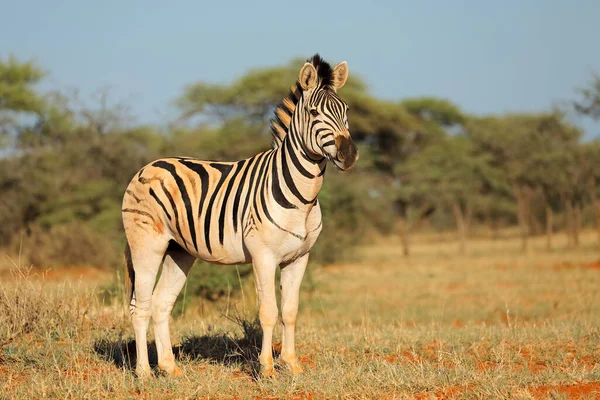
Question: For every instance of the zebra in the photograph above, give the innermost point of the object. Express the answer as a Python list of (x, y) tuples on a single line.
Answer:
[(261, 210)]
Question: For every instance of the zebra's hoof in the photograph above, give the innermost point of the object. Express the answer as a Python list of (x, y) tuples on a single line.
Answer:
[(267, 371), (143, 373), (170, 370)]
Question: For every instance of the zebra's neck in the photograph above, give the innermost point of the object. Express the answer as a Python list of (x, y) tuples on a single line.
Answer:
[(302, 173)]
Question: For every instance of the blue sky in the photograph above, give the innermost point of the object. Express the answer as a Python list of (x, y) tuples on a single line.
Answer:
[(487, 56)]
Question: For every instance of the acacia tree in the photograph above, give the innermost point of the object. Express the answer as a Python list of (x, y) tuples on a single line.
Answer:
[(252, 96), (17, 96), (533, 150), (589, 182), (425, 121), (588, 105), (452, 175)]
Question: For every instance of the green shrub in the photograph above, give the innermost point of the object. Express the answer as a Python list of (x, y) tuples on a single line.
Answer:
[(67, 245), (351, 210), (212, 282)]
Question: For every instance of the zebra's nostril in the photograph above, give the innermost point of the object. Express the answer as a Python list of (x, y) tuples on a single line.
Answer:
[(347, 151)]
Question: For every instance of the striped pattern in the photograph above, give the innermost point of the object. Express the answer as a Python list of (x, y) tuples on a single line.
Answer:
[(263, 210), (283, 115), (202, 203)]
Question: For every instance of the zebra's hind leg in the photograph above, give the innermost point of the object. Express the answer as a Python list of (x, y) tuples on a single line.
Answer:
[(291, 278), (146, 252), (176, 267)]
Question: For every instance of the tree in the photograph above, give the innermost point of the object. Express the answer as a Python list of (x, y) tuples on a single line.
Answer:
[(532, 150), (452, 175), (251, 97), (17, 95), (590, 177), (589, 104), (425, 121)]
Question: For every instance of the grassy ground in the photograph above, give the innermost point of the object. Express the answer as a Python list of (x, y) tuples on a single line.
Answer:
[(492, 324)]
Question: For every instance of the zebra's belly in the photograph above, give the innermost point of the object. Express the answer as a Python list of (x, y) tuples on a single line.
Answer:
[(286, 243), (232, 251)]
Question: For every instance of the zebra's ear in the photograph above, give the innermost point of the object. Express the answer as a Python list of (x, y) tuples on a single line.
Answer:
[(308, 76), (340, 74)]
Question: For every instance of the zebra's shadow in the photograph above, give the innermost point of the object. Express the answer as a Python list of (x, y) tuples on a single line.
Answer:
[(220, 348)]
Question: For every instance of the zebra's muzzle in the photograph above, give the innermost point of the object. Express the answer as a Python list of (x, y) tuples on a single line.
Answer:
[(347, 153)]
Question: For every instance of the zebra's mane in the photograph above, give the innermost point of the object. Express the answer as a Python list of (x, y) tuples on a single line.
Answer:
[(280, 125)]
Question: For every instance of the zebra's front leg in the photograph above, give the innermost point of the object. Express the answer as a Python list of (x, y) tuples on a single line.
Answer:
[(291, 278), (264, 274)]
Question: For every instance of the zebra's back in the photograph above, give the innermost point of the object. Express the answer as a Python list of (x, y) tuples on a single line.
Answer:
[(198, 203)]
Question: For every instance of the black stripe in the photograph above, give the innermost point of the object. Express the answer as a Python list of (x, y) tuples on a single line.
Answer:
[(203, 174), (160, 203), (297, 163), (307, 158), (260, 183), (268, 215), (140, 212), (238, 195), (129, 192), (184, 196), (257, 166), (280, 122), (333, 127), (276, 188), (224, 169), (323, 136), (323, 170), (140, 175), (301, 147), (239, 165), (286, 110), (162, 185), (287, 177)]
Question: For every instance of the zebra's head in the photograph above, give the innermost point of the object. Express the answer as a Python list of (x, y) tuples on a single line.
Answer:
[(325, 113)]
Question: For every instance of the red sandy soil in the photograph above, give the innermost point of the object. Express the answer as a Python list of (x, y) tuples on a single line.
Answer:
[(446, 393), (572, 391), (299, 396), (566, 265), (576, 391)]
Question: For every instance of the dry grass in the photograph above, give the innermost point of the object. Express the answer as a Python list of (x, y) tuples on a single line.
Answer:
[(493, 324)]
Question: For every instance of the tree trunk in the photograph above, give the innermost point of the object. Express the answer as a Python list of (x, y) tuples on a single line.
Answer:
[(595, 204), (522, 216), (489, 226), (549, 223), (468, 218), (569, 221), (405, 236), (461, 227), (576, 224)]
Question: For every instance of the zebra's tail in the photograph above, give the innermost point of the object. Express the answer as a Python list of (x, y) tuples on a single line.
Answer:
[(129, 275)]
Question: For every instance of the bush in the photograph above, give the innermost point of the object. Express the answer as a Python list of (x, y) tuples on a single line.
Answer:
[(351, 210), (212, 282), (28, 307), (69, 245)]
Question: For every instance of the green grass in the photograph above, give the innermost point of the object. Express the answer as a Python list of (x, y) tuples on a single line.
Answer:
[(492, 324)]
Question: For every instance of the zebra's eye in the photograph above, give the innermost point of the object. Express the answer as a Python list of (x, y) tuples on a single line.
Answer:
[(314, 112)]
